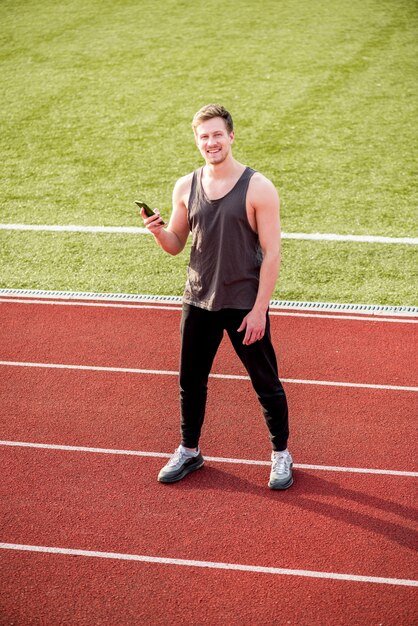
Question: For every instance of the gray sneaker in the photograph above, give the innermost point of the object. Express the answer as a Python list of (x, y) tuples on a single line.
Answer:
[(179, 465), (281, 470)]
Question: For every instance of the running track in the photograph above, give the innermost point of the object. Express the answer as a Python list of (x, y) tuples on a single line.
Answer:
[(89, 413)]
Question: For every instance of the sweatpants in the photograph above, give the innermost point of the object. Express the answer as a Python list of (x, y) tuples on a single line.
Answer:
[(201, 335)]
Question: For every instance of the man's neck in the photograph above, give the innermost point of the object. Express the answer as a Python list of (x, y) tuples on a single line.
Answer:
[(219, 171)]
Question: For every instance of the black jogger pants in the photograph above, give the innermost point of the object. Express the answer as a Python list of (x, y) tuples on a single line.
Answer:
[(201, 335)]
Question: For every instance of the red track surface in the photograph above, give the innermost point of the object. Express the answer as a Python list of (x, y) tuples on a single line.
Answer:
[(333, 522)]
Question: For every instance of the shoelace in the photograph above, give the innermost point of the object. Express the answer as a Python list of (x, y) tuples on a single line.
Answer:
[(281, 463), (178, 454)]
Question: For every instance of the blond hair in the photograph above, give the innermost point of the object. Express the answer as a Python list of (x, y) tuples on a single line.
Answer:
[(213, 110)]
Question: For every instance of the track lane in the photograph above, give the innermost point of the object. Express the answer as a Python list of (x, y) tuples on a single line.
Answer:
[(84, 591), (131, 411), (307, 347), (360, 525)]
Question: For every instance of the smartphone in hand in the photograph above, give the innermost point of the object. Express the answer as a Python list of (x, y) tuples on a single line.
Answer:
[(148, 212)]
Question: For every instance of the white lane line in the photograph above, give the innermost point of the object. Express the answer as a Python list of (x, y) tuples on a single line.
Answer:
[(138, 230), (364, 318), (256, 569), (92, 368), (134, 370), (76, 228), (111, 305), (355, 238), (167, 307), (331, 383), (212, 459)]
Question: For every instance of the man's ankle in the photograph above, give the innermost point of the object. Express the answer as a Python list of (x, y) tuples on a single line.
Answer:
[(190, 450)]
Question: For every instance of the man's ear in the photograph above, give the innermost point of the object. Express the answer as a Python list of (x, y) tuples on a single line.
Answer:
[(232, 136)]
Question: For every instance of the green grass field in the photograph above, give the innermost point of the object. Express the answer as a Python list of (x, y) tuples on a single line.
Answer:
[(97, 105)]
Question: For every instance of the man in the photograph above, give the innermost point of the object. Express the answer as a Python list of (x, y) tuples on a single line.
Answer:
[(233, 215)]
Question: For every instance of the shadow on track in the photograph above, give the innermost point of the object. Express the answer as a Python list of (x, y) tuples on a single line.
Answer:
[(317, 495)]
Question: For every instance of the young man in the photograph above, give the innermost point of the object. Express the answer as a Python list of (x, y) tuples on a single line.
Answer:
[(233, 215)]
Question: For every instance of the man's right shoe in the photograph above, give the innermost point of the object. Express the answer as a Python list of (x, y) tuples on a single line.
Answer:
[(180, 464), (281, 470)]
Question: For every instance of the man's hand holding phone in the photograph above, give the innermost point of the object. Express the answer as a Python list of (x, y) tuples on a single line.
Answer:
[(152, 219)]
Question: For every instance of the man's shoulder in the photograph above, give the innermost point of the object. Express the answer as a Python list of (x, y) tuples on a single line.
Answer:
[(259, 178), (261, 189), (184, 183), (260, 183)]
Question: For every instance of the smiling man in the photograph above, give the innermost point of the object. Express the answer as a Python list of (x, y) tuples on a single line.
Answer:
[(232, 212)]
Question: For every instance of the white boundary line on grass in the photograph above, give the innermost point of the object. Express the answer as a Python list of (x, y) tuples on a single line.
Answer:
[(137, 230), (256, 569), (212, 459), (134, 370)]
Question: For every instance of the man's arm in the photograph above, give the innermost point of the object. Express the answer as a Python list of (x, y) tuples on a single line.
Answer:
[(173, 238), (264, 200)]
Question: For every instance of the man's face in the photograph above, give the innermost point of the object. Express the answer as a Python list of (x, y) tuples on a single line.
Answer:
[(213, 140)]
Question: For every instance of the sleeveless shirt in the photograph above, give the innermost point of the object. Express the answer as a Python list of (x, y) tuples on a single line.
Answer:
[(225, 257)]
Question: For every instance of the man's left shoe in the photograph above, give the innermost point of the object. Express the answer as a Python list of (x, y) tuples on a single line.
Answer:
[(181, 463), (281, 470)]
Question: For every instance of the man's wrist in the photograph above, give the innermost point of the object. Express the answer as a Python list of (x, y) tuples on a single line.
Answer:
[(261, 307)]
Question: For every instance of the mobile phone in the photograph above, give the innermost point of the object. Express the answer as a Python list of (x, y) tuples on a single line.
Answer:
[(148, 212)]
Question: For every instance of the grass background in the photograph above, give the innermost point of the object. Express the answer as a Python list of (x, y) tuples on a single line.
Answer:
[(97, 106)]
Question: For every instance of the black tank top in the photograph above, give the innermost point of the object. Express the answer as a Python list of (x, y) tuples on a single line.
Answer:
[(225, 258)]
